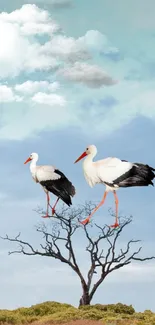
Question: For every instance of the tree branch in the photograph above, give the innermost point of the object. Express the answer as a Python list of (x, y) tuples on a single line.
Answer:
[(103, 256)]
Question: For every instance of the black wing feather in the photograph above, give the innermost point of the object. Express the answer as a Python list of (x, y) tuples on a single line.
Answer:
[(138, 175), (60, 187)]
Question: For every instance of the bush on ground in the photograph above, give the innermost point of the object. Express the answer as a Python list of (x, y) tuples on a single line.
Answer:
[(54, 312)]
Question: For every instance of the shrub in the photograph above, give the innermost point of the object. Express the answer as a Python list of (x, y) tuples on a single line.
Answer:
[(45, 308), (62, 316), (54, 312), (117, 308), (8, 317), (92, 314)]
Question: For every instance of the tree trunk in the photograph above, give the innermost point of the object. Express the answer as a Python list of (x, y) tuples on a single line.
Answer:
[(85, 299)]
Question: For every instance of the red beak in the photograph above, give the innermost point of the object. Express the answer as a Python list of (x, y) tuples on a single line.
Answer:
[(29, 159), (84, 154)]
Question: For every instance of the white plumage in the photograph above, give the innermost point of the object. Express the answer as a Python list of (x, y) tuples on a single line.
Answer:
[(52, 180), (113, 173), (105, 170), (45, 173)]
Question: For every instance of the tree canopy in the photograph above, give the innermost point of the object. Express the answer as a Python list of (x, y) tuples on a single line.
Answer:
[(103, 248)]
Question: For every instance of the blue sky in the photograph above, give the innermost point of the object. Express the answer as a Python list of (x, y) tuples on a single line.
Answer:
[(74, 73)]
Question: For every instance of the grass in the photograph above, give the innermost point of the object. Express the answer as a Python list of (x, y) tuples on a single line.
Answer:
[(56, 313)]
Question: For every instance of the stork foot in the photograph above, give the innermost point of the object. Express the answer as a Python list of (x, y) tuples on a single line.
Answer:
[(85, 221), (45, 216), (53, 211), (116, 225)]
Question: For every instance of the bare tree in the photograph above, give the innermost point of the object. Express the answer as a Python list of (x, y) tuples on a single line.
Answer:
[(104, 253)]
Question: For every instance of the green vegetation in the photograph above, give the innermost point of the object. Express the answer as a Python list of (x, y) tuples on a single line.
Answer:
[(54, 312)]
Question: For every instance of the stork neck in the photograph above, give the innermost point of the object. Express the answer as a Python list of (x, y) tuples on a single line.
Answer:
[(89, 159), (33, 165)]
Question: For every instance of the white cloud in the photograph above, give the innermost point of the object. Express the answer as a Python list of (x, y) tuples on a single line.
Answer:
[(21, 49), (81, 48), (12, 50), (27, 13), (31, 20), (25, 121), (19, 52), (66, 48), (96, 41), (49, 99), (91, 75), (19, 122), (29, 87), (38, 28), (7, 95)]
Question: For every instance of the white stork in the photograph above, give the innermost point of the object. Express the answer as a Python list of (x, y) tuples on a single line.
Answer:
[(52, 180), (113, 173)]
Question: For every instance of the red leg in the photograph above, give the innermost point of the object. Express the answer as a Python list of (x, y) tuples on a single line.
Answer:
[(47, 211), (48, 198), (85, 221), (53, 209), (116, 224)]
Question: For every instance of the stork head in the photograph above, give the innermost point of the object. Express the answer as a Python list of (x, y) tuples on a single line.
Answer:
[(33, 156), (90, 151)]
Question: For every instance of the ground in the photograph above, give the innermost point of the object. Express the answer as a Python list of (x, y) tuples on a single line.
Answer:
[(84, 322), (54, 313)]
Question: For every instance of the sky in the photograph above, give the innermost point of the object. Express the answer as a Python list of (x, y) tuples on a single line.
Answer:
[(74, 73)]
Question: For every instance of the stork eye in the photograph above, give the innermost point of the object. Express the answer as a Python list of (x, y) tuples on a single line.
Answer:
[(86, 148)]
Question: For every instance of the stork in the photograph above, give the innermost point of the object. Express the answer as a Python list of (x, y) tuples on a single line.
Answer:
[(114, 173), (52, 180)]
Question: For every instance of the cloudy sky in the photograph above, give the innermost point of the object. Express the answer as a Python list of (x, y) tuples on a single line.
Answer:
[(74, 73)]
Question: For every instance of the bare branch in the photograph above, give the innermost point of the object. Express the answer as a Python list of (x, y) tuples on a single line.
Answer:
[(104, 256)]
